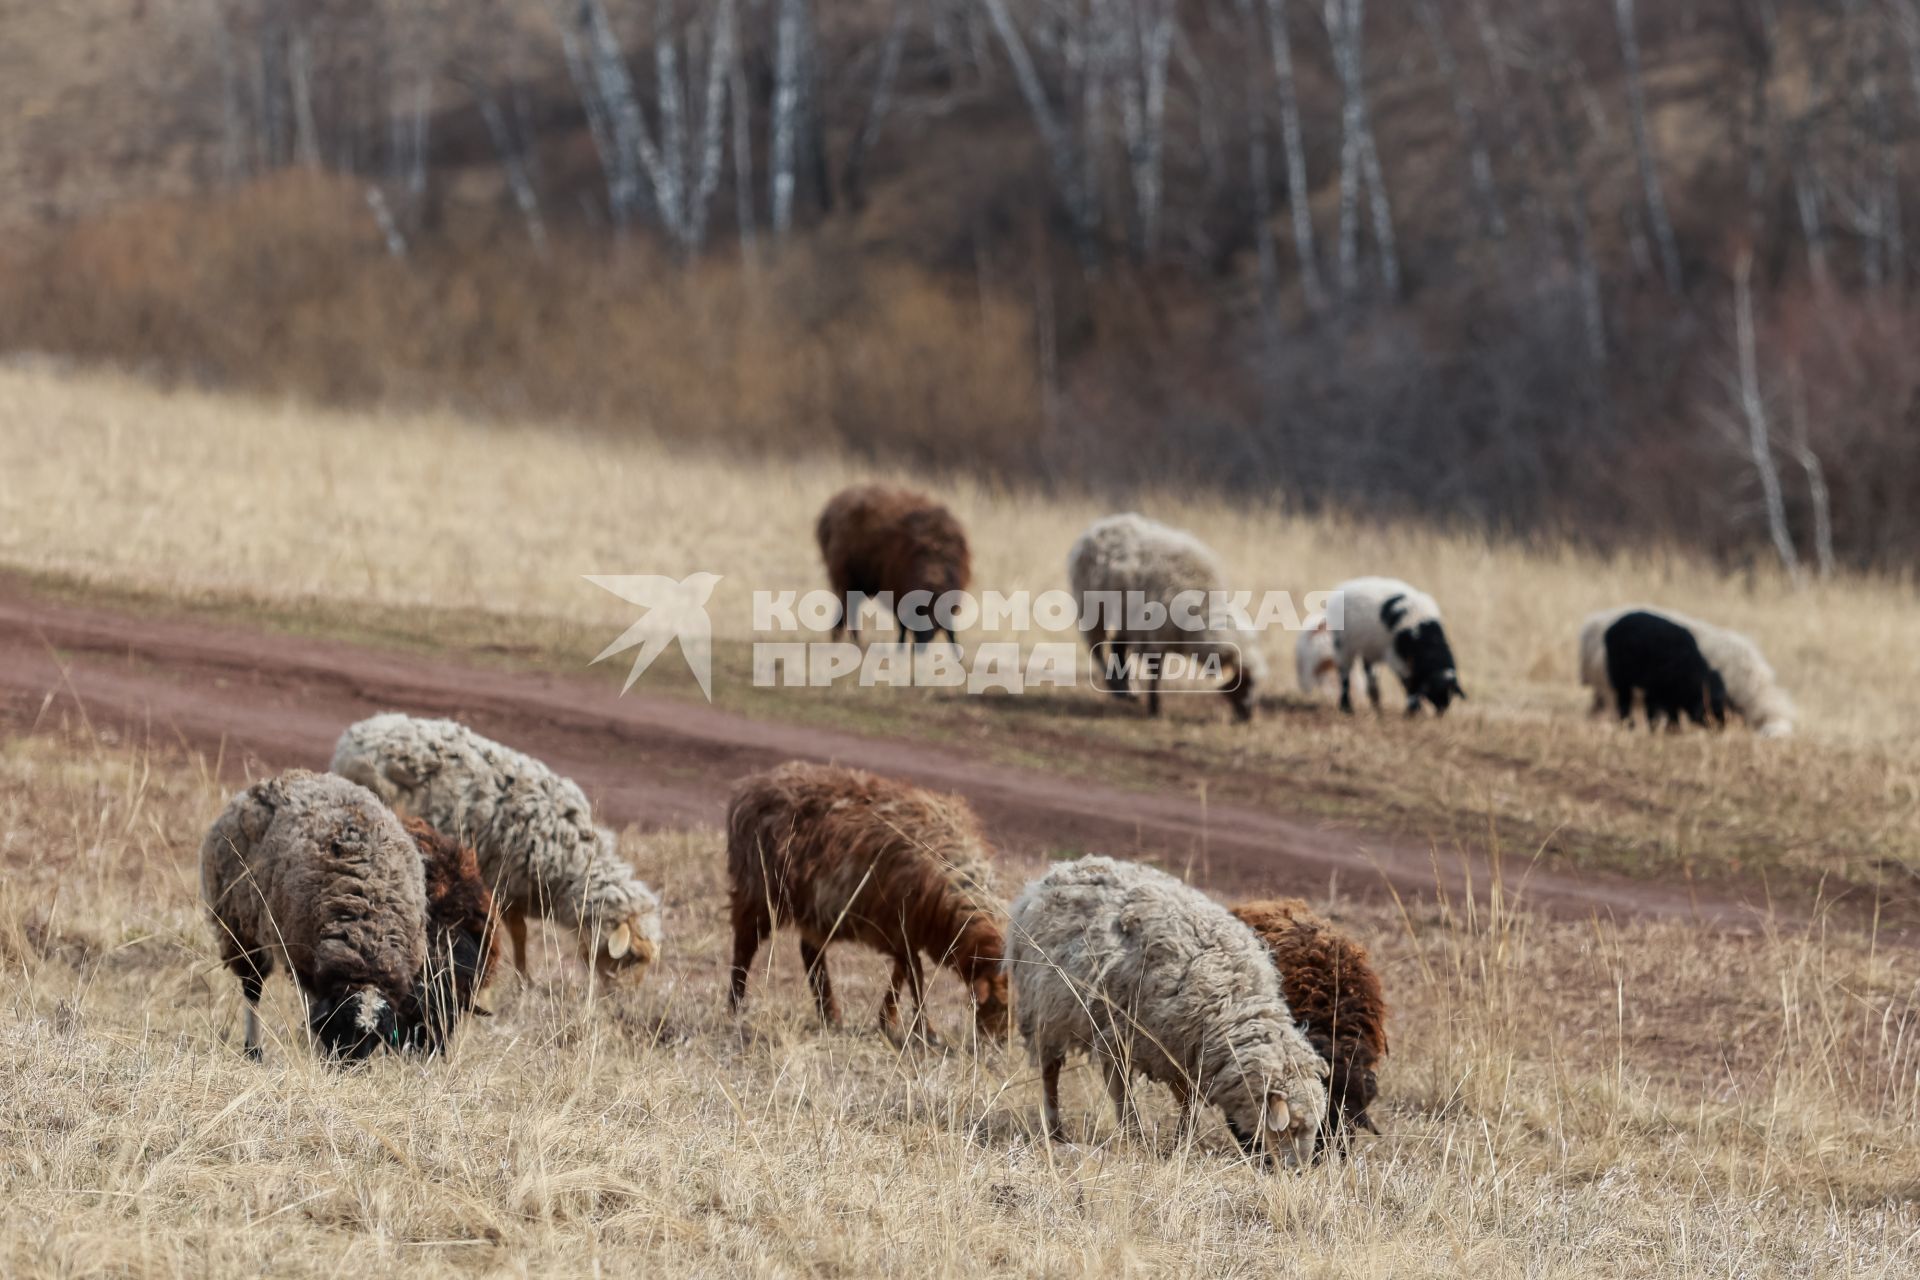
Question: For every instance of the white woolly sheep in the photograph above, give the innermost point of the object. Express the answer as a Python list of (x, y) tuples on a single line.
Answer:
[(531, 828), (313, 873), (1151, 976), (1135, 561), (1314, 659), (1752, 688), (1385, 620)]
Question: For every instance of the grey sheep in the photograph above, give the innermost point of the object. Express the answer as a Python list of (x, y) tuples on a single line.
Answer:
[(531, 828), (1150, 976), (313, 873)]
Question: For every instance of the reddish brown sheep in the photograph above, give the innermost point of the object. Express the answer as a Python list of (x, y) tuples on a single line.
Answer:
[(462, 942), (843, 855), (1335, 994), (876, 539)]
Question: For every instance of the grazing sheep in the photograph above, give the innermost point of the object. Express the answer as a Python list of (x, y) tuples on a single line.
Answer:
[(1385, 620), (877, 540), (1660, 660), (845, 856), (462, 947), (1332, 989), (531, 829), (1141, 561), (313, 873), (1148, 975), (1314, 659), (1753, 692)]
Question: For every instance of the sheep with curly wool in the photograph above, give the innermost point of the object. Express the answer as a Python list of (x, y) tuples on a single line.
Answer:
[(531, 829), (1752, 690), (1150, 976), (846, 856), (881, 541), (1163, 585), (463, 946), (312, 873), (1332, 989), (1385, 620)]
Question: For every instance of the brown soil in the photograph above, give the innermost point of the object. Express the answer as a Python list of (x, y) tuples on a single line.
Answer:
[(258, 701)]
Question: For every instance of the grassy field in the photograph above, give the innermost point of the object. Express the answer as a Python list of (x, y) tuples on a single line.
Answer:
[(434, 532), (1561, 1100)]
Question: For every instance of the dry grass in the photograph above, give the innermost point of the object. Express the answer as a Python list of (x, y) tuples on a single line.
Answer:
[(1561, 1101), (437, 530)]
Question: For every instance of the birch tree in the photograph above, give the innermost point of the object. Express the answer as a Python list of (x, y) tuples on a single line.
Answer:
[(1657, 221), (1293, 151), (1360, 172)]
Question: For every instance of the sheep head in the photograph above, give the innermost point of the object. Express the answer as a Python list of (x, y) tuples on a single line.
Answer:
[(354, 1025), (990, 1006), (628, 947)]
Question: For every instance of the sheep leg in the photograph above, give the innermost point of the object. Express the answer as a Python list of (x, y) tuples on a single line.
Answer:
[(516, 922), (1189, 1101), (814, 957), (1153, 693), (1050, 1097), (250, 988), (1346, 693), (1373, 685), (1119, 1088), (747, 933), (906, 970)]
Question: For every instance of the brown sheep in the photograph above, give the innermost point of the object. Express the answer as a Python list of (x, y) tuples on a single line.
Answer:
[(877, 539), (843, 855), (462, 942), (1333, 991)]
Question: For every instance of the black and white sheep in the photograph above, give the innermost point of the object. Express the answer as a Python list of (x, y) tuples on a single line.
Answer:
[(531, 828), (1150, 976), (1753, 692), (1659, 660), (311, 872), (1135, 561), (1385, 620)]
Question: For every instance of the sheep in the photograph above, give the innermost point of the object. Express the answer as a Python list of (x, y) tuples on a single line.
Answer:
[(313, 873), (1149, 975), (844, 855), (1331, 987), (1313, 656), (462, 945), (1659, 659), (1136, 561), (531, 829), (1753, 691), (1385, 620), (876, 539)]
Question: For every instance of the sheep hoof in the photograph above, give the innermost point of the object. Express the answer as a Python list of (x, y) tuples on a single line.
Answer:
[(253, 1053)]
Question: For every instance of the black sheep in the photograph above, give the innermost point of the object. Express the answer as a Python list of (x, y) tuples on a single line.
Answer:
[(1661, 659)]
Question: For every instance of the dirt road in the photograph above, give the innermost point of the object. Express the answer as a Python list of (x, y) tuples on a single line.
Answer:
[(262, 701)]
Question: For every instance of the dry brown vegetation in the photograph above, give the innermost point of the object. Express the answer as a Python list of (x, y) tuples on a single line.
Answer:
[(1563, 1100)]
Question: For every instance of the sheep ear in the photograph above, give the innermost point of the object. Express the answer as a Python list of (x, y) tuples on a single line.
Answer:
[(620, 941), (1277, 1117)]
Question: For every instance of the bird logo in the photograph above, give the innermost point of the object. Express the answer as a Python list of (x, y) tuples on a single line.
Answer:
[(673, 610)]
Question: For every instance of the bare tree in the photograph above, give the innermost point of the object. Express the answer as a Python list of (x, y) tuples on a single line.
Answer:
[(1657, 220), (853, 173), (1148, 31), (1753, 408), (1345, 21), (789, 41), (1479, 161), (511, 149), (1080, 198), (1294, 152)]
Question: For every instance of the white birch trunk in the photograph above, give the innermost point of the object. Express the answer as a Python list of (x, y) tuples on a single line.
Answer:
[(1657, 220), (785, 125), (1753, 408)]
